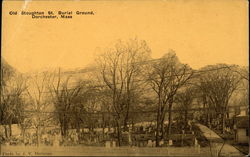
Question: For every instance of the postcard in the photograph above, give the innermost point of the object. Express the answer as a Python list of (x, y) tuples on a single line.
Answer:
[(124, 78)]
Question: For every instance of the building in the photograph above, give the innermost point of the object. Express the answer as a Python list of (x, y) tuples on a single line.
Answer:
[(242, 129), (237, 110)]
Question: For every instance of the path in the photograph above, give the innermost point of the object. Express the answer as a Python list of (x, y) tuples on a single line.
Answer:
[(217, 142)]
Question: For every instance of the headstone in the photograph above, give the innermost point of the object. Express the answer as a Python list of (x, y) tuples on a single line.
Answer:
[(140, 143), (154, 143), (56, 141), (161, 142), (30, 141), (198, 148), (195, 142), (107, 144), (106, 130), (129, 138), (137, 143), (170, 142), (150, 143), (113, 143)]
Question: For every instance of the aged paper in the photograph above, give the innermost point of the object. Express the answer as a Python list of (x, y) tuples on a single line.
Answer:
[(124, 78)]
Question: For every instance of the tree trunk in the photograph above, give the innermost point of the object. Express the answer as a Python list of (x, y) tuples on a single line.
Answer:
[(78, 129), (64, 129), (162, 130), (157, 134), (62, 124), (65, 125), (223, 123), (6, 131), (208, 118), (186, 117), (103, 125), (10, 129), (128, 105), (38, 135), (118, 132), (162, 127), (125, 127), (62, 132), (170, 118), (133, 125), (109, 125), (205, 112), (23, 133), (158, 123)]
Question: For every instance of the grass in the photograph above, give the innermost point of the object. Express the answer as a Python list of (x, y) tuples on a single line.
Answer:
[(102, 151), (244, 148)]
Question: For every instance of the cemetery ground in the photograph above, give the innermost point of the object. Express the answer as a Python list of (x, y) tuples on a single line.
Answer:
[(201, 141), (102, 151)]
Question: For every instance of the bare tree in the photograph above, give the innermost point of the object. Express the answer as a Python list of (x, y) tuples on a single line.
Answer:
[(242, 71), (185, 99), (219, 84), (12, 101), (7, 72), (167, 76), (90, 104), (39, 102), (119, 67), (66, 100)]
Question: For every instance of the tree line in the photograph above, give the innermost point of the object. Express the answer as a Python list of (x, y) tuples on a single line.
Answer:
[(125, 79)]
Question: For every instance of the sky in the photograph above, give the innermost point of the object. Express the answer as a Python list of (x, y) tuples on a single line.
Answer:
[(201, 32)]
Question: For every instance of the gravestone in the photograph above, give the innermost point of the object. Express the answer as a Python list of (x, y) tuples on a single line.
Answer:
[(95, 139), (150, 143), (161, 142), (56, 141), (170, 142), (113, 143), (126, 138), (106, 130), (154, 143), (195, 142), (107, 144), (198, 148), (129, 139)]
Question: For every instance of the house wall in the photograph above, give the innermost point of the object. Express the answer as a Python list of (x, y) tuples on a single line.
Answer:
[(241, 136)]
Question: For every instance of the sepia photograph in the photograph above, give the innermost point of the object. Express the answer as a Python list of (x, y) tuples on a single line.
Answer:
[(124, 78)]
